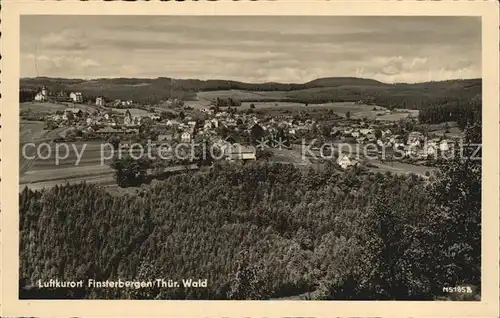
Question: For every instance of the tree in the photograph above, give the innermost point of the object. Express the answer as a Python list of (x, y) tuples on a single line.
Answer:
[(70, 116), (378, 133), (115, 142), (453, 225), (49, 125), (326, 130), (182, 115), (248, 283), (129, 171), (348, 115), (252, 105), (257, 132)]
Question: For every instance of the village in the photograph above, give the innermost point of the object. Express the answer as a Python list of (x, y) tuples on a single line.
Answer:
[(249, 129)]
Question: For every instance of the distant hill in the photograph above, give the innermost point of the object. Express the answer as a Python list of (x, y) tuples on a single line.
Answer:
[(343, 81), (320, 90)]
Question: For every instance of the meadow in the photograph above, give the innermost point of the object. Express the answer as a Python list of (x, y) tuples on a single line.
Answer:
[(46, 108), (49, 172), (133, 111)]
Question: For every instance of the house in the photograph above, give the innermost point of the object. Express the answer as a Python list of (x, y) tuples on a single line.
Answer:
[(207, 125), (164, 137), (73, 110), (186, 137), (240, 152), (88, 130), (172, 122), (413, 143), (99, 101), (128, 120), (361, 140), (371, 137), (215, 122), (43, 95), (154, 116), (366, 131), (348, 131), (445, 145), (76, 97), (344, 161), (109, 130), (430, 149), (136, 120), (335, 132), (413, 137), (257, 132), (355, 134)]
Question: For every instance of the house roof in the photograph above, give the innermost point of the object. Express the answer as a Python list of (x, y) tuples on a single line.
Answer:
[(236, 148), (108, 130)]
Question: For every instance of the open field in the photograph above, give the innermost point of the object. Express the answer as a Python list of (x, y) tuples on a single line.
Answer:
[(47, 171), (46, 108), (399, 167), (292, 156), (103, 180), (393, 116), (133, 111), (243, 95), (356, 110), (36, 137), (260, 105), (30, 130), (411, 112)]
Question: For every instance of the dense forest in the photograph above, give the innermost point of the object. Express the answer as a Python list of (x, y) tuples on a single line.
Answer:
[(334, 89), (263, 231), (446, 110)]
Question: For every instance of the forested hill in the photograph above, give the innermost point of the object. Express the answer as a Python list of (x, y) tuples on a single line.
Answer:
[(197, 85), (316, 91), (263, 231)]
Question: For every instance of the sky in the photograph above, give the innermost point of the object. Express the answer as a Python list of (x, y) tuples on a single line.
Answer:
[(252, 49)]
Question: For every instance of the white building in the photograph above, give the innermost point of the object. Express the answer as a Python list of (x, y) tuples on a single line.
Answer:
[(344, 161), (207, 125), (43, 95), (445, 145), (77, 97), (430, 149), (215, 122), (154, 116), (186, 137), (366, 131), (239, 152), (99, 101)]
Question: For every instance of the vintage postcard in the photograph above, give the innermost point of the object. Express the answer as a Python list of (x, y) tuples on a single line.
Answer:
[(250, 159)]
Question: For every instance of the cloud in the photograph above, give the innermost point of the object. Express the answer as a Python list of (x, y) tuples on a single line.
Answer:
[(256, 49), (64, 65), (72, 40)]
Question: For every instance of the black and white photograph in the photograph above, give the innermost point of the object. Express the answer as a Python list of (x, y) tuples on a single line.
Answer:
[(250, 157)]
